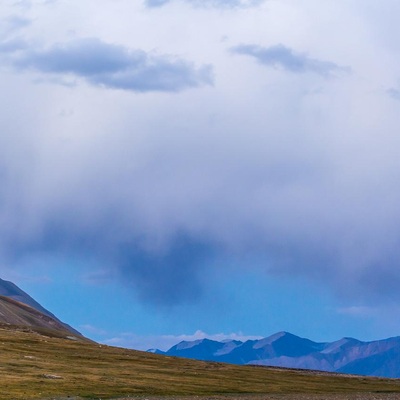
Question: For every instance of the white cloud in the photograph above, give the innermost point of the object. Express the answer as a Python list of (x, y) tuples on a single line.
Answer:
[(358, 311), (88, 330), (165, 342)]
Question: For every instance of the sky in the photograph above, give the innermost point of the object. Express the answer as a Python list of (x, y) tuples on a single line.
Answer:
[(179, 169)]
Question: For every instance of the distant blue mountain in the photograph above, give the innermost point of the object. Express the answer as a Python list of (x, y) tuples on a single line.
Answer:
[(347, 355)]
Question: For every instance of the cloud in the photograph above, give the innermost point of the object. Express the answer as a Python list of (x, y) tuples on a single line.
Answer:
[(28, 4), (13, 24), (280, 56), (111, 66), (164, 195), (92, 330), (166, 276), (11, 46), (210, 3), (357, 311), (394, 93), (156, 3)]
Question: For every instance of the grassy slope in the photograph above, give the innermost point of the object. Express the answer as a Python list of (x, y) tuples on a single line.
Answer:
[(94, 371)]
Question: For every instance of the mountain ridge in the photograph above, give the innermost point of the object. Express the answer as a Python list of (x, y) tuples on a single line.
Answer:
[(347, 355), (18, 310)]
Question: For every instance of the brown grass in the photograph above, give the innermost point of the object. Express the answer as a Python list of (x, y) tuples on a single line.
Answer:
[(36, 366)]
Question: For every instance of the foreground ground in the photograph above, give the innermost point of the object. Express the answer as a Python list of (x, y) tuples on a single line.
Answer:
[(36, 366), (297, 396)]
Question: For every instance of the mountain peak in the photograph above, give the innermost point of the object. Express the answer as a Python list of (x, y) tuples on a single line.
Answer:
[(274, 338), (281, 334)]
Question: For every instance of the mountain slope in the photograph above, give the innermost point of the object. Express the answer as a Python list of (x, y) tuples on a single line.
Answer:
[(12, 291), (15, 315), (386, 363), (9, 290), (377, 358)]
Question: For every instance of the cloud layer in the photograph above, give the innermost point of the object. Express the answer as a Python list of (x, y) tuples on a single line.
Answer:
[(288, 173)]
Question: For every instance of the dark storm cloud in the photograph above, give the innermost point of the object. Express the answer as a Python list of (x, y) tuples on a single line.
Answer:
[(160, 212), (162, 276), (280, 56), (113, 66), (169, 276), (210, 3)]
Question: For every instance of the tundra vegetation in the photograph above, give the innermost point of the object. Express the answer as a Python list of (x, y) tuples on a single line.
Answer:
[(38, 363)]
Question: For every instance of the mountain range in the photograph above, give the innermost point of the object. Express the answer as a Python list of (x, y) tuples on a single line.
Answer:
[(351, 356)]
